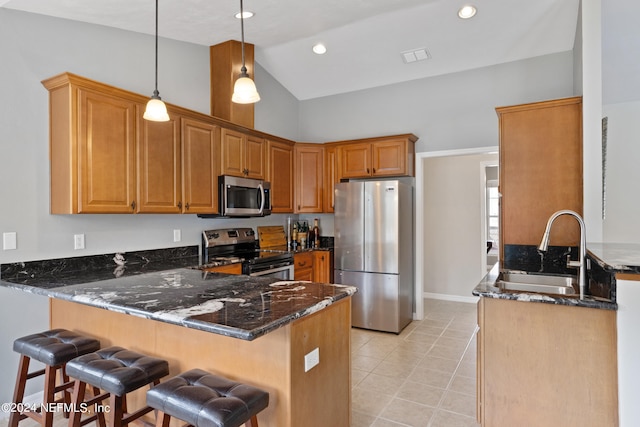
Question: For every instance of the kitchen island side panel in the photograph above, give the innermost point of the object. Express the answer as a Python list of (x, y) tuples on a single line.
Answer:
[(271, 362)]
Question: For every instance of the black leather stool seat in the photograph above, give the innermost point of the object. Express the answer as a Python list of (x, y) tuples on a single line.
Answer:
[(205, 400), (117, 370), (55, 347)]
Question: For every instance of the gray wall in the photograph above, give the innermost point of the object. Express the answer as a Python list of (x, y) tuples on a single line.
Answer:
[(453, 111)]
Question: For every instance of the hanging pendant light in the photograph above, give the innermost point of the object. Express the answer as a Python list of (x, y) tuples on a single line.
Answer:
[(244, 90), (156, 111)]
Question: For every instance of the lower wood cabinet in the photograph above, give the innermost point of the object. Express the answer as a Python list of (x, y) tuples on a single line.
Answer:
[(229, 269), (314, 265), (546, 365), (303, 266), (322, 266)]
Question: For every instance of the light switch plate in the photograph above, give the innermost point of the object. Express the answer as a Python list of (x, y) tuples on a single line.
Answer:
[(311, 359), (9, 241), (177, 235)]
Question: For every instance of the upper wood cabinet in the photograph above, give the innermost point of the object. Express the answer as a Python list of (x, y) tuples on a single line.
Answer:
[(105, 158), (378, 157), (159, 164), (200, 147), (309, 159), (242, 155), (280, 175), (331, 177), (540, 170), (92, 149)]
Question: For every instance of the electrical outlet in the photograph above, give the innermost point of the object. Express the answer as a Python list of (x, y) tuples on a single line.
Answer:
[(311, 359), (78, 241), (9, 241), (177, 235)]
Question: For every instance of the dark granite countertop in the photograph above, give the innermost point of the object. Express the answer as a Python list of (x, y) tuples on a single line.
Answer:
[(616, 257), (487, 289), (171, 290)]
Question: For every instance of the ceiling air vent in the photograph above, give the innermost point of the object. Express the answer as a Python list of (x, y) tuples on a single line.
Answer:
[(415, 55)]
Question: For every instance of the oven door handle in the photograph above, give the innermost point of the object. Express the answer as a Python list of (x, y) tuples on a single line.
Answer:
[(272, 270), (261, 189)]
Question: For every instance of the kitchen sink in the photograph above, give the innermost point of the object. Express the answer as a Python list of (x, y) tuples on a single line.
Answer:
[(534, 282)]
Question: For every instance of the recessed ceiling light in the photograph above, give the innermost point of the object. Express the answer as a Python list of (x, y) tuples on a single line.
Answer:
[(246, 14), (319, 49), (467, 11)]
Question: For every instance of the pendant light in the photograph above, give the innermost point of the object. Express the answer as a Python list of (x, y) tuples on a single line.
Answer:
[(244, 90), (156, 111)]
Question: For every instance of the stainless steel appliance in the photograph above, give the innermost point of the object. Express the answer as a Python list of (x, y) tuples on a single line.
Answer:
[(244, 197), (374, 250), (239, 244)]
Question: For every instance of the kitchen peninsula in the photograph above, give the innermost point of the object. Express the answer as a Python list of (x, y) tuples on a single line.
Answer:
[(251, 329), (578, 358)]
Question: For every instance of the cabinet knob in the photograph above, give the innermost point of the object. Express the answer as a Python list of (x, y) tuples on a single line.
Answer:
[(179, 205), (368, 170), (374, 170), (133, 205), (186, 206), (302, 264)]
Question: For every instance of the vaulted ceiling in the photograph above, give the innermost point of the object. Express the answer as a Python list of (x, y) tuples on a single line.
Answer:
[(365, 39)]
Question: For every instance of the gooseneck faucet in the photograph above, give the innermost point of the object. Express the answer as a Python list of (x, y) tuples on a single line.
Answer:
[(581, 262)]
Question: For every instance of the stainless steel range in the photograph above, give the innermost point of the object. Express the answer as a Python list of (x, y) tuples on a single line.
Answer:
[(239, 244)]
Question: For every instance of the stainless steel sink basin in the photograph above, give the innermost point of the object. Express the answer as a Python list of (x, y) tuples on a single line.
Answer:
[(541, 283)]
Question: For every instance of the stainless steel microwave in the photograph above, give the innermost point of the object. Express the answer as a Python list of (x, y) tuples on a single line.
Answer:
[(244, 197)]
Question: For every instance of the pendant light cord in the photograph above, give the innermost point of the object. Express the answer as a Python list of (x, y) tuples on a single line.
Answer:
[(243, 70), (155, 92)]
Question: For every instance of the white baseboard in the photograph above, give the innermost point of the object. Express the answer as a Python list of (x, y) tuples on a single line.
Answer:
[(448, 297), (31, 399)]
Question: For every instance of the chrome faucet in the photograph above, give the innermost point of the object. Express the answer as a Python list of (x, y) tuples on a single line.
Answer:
[(581, 262)]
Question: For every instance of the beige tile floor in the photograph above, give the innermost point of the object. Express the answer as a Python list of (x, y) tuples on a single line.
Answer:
[(423, 377)]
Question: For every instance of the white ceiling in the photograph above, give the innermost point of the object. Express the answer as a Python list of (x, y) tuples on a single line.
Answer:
[(364, 38)]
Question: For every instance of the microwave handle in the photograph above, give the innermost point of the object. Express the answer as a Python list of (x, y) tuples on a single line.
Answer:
[(261, 189)]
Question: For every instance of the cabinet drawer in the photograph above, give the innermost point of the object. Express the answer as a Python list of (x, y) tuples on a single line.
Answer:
[(303, 260), (229, 269)]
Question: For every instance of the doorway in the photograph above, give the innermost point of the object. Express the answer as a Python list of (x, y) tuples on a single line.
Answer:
[(451, 236)]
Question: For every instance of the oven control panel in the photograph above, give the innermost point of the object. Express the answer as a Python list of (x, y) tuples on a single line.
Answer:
[(228, 236)]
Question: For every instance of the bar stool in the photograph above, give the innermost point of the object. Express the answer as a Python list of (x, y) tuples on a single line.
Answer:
[(205, 400), (116, 371), (54, 348)]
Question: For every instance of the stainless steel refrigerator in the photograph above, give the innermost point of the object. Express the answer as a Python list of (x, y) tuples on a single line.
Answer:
[(374, 250)]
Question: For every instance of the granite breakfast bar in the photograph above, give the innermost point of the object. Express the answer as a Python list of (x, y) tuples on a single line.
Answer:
[(250, 329)]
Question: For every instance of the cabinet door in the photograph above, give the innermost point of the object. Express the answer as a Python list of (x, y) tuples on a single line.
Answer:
[(309, 178), (159, 168), (540, 171), (200, 148), (322, 266), (355, 160), (106, 154), (389, 158), (232, 152), (331, 178), (303, 266), (255, 157), (281, 176)]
